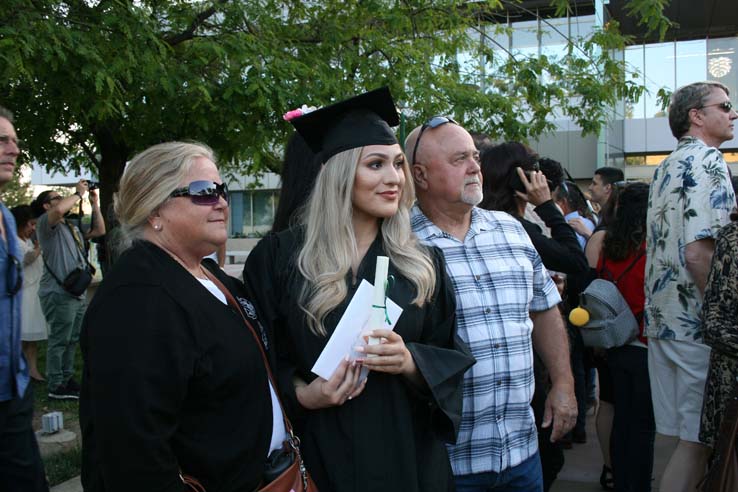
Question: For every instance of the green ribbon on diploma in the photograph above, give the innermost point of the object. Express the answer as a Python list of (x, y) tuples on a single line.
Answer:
[(387, 286)]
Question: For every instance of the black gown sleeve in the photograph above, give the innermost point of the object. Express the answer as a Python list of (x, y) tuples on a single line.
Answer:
[(561, 252), (442, 357), (265, 273), (141, 343)]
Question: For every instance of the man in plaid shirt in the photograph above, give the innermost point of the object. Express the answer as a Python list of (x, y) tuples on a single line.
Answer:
[(506, 304)]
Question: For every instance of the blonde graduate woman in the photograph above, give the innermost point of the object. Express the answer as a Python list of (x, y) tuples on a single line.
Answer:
[(388, 432)]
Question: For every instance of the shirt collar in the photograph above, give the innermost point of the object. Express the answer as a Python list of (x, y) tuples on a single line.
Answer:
[(425, 229), (572, 215)]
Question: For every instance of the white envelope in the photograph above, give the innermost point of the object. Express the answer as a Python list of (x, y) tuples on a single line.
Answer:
[(348, 332)]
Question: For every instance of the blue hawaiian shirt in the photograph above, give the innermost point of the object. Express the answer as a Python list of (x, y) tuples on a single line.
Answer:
[(691, 198)]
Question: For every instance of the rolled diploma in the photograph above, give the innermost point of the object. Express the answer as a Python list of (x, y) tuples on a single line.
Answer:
[(376, 318)]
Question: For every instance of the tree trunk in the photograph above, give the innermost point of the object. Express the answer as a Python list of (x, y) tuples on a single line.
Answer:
[(113, 157)]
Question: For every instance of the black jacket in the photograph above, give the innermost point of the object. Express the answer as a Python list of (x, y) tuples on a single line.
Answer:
[(172, 379)]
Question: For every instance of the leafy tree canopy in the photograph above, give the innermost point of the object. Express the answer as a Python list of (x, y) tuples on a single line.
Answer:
[(91, 82)]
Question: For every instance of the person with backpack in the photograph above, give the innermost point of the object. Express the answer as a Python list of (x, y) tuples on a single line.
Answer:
[(622, 260)]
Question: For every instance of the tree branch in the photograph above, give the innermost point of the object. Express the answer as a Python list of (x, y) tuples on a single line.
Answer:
[(198, 21)]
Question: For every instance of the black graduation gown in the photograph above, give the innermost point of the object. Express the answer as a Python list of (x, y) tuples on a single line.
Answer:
[(391, 437), (172, 379)]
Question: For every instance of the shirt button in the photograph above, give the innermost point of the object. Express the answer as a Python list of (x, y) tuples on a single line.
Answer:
[(477, 277), (499, 383), (497, 345), (488, 310)]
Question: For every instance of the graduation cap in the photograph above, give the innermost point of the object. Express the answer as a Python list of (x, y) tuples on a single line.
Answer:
[(362, 120)]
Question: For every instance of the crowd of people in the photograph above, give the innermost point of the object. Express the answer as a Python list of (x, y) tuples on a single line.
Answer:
[(191, 376)]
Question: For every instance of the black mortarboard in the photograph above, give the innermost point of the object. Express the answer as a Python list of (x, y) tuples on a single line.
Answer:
[(362, 120)]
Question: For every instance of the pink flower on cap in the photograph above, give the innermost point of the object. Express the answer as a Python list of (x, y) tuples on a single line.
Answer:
[(296, 113)]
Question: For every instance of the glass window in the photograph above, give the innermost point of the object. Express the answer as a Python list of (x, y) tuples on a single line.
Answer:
[(635, 160), (731, 157), (525, 38), (237, 218), (659, 64), (263, 205), (634, 61), (582, 26), (691, 62), (553, 37), (722, 63), (246, 212)]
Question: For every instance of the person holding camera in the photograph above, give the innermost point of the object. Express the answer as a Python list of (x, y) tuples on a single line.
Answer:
[(64, 281)]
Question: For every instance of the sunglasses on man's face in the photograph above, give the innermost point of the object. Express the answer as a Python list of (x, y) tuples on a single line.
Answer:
[(203, 192), (724, 106), (433, 122)]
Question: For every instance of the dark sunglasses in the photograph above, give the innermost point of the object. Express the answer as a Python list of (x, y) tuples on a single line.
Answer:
[(433, 122), (203, 192), (14, 276), (725, 106)]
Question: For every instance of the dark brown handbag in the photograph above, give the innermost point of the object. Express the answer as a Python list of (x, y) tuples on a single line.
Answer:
[(723, 474), (296, 477)]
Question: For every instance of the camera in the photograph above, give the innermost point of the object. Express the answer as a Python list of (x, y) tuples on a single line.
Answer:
[(92, 185)]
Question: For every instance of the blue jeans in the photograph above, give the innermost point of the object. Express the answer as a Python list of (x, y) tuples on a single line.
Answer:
[(525, 477)]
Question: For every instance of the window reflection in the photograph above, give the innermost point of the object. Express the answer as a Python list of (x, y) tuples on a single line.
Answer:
[(252, 212), (691, 62), (659, 59), (634, 60)]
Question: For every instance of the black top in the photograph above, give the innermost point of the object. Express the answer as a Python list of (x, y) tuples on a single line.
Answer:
[(172, 378), (561, 252), (390, 437)]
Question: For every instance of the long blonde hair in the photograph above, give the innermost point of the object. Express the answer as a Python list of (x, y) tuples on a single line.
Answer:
[(330, 244)]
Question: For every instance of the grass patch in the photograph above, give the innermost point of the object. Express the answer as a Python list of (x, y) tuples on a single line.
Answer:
[(41, 403), (63, 466)]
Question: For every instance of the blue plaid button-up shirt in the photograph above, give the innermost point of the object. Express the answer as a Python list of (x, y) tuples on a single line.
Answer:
[(498, 278)]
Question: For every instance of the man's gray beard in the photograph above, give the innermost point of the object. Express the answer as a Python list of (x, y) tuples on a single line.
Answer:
[(472, 198)]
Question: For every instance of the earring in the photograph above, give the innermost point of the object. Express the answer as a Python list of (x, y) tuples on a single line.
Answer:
[(157, 227)]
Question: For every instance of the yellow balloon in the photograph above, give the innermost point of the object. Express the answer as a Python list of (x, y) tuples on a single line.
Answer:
[(579, 316)]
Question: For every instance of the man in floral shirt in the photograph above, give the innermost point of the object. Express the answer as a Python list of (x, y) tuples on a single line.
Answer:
[(690, 200)]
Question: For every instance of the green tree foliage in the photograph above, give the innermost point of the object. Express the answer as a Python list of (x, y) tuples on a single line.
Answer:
[(16, 192), (94, 81)]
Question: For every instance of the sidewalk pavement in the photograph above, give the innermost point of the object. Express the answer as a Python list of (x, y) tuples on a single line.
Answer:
[(581, 472), (73, 485)]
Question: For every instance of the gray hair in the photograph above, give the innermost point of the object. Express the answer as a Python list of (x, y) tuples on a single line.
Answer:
[(148, 180), (687, 98), (6, 113)]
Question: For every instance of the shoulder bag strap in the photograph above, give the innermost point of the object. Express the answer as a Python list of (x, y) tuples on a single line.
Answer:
[(234, 304), (77, 242), (632, 264), (50, 270)]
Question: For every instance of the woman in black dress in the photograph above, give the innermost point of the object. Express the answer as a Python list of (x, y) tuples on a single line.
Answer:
[(388, 432)]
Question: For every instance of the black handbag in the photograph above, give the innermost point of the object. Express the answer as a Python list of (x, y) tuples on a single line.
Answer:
[(77, 281)]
